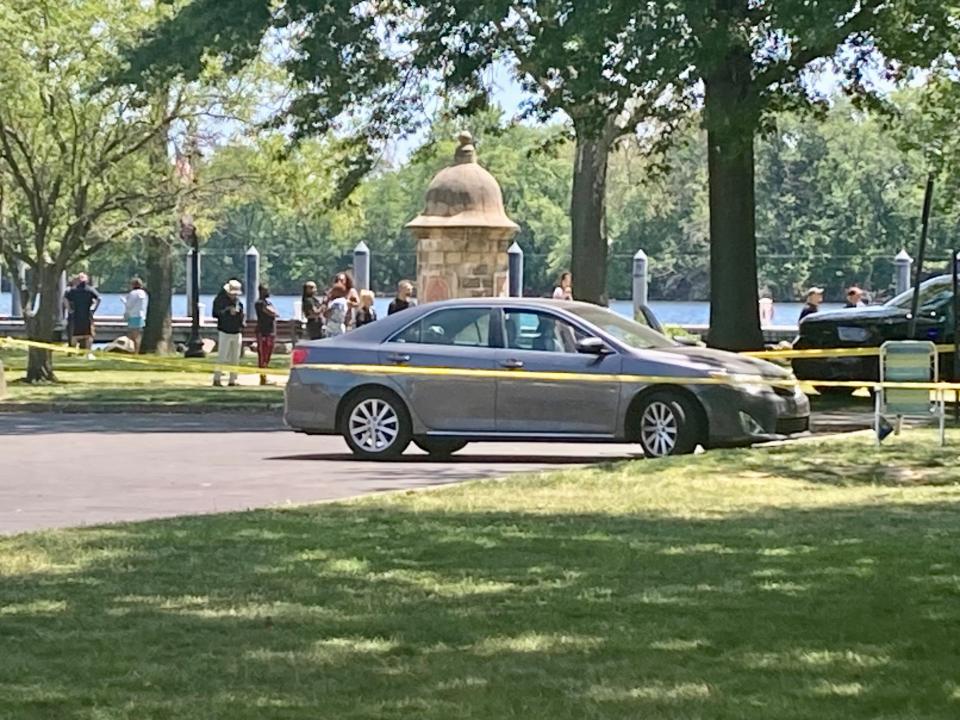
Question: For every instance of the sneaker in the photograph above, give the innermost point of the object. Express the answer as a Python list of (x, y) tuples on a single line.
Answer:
[(884, 430), (234, 384), (91, 356)]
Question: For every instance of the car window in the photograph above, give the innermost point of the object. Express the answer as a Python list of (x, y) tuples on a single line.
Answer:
[(933, 292), (531, 330), (466, 327), (626, 331)]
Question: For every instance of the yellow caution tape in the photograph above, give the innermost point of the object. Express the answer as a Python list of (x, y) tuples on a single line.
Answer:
[(534, 375), (546, 376), (826, 352), (200, 366), (181, 365)]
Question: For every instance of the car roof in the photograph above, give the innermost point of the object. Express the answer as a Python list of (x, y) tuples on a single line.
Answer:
[(385, 327), (511, 301)]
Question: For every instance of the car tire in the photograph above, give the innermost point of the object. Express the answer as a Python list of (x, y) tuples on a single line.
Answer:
[(668, 424), (440, 447), (376, 425)]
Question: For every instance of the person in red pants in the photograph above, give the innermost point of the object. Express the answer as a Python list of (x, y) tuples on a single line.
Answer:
[(266, 330)]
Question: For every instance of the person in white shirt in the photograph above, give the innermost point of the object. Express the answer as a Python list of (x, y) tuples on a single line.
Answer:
[(135, 312), (564, 289)]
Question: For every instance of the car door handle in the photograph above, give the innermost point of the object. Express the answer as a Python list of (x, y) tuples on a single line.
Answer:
[(512, 363), (398, 358)]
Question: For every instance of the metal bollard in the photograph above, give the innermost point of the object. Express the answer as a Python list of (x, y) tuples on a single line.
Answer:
[(515, 271), (641, 281), (251, 280), (901, 274), (361, 266)]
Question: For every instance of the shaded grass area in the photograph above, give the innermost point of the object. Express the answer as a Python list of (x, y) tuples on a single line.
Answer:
[(806, 581), (108, 380)]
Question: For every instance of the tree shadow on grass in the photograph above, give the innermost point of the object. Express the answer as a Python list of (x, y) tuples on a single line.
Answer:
[(381, 611)]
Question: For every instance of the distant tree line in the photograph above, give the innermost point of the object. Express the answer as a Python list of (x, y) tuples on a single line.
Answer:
[(837, 198)]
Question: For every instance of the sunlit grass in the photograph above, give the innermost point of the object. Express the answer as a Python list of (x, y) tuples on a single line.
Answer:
[(815, 580), (108, 380)]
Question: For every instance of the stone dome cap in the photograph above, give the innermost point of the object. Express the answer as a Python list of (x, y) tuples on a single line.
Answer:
[(464, 195)]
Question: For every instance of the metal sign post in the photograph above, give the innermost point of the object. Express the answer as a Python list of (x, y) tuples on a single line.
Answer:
[(955, 266), (924, 230)]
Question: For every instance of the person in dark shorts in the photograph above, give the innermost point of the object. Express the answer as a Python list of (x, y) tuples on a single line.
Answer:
[(83, 301), (402, 301), (266, 330), (311, 306)]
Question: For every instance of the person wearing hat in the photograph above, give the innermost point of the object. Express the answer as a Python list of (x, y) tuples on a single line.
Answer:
[(82, 300), (814, 298), (228, 310), (854, 298)]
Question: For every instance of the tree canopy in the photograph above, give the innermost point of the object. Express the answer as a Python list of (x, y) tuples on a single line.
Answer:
[(741, 62)]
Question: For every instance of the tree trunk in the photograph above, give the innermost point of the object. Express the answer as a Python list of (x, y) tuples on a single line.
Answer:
[(157, 332), (42, 325), (588, 209), (731, 121), (159, 281)]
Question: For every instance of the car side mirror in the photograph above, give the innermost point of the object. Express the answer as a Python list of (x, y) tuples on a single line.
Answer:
[(593, 346)]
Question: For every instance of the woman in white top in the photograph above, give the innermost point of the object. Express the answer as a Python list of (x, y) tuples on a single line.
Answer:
[(564, 289), (335, 315), (135, 312)]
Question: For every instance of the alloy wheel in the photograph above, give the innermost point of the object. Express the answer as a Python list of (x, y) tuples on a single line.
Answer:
[(374, 425), (659, 428)]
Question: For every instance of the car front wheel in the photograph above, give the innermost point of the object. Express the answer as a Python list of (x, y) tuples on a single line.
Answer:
[(669, 425), (376, 425)]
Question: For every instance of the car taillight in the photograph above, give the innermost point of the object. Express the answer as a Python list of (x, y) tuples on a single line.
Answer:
[(298, 356)]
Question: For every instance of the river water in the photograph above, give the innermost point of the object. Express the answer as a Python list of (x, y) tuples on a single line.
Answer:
[(670, 312)]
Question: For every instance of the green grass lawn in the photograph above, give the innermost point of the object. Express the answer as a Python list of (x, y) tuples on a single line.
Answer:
[(806, 581), (108, 380)]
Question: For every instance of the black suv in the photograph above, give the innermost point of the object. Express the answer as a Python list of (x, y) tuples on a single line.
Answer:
[(871, 326)]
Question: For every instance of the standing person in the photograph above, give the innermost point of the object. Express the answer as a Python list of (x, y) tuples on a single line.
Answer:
[(814, 298), (336, 313), (67, 312), (766, 310), (365, 313), (83, 301), (266, 330), (854, 298), (135, 312), (402, 301), (564, 288), (228, 310), (312, 308)]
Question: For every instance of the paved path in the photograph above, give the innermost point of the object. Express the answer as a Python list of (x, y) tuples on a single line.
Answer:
[(69, 470)]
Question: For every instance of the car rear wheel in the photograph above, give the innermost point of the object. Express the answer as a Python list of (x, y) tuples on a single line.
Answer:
[(669, 425), (440, 447), (376, 425)]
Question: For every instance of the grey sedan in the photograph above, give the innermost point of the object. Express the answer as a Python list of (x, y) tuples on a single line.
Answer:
[(448, 373)]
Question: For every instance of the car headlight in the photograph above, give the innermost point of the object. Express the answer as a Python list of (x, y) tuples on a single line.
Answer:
[(748, 384)]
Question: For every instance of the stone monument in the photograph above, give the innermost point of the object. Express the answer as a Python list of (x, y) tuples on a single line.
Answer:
[(463, 232)]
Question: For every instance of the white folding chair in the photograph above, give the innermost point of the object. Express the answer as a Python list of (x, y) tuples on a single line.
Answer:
[(906, 361)]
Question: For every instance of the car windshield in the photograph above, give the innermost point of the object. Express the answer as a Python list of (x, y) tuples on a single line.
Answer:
[(626, 331), (933, 293)]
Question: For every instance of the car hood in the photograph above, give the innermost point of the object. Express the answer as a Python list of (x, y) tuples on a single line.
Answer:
[(872, 313), (721, 360)]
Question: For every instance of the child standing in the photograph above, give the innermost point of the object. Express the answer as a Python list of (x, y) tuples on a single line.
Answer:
[(365, 314)]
